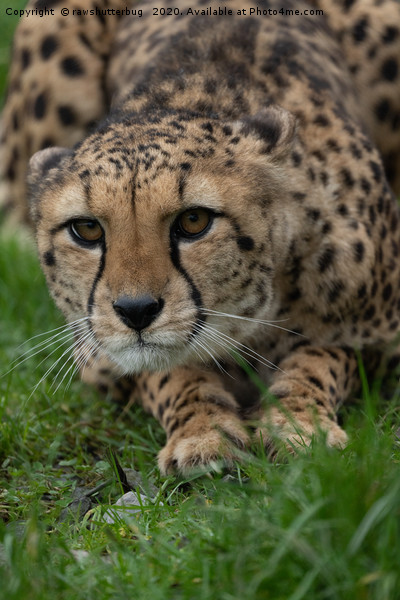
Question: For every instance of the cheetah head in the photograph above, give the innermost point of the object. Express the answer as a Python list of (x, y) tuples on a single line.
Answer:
[(152, 229)]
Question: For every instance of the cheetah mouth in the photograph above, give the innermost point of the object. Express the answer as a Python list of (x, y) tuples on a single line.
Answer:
[(146, 356)]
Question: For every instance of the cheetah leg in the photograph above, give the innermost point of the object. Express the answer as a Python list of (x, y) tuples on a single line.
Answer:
[(55, 90), (199, 416), (309, 390), (102, 374)]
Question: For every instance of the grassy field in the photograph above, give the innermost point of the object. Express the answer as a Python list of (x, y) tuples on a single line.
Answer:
[(323, 526)]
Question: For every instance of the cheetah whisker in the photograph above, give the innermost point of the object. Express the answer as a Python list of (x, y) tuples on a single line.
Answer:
[(58, 339), (66, 331), (223, 344), (74, 365), (80, 363), (184, 338), (83, 335), (51, 368), (203, 345), (217, 313), (238, 346), (63, 327)]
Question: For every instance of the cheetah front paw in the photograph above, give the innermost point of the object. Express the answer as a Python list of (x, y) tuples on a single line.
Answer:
[(277, 432), (198, 446)]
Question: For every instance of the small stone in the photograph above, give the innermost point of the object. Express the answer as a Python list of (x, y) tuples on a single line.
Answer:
[(131, 505)]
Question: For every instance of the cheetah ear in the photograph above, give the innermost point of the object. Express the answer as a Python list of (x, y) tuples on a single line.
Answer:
[(43, 161), (274, 126), (39, 165)]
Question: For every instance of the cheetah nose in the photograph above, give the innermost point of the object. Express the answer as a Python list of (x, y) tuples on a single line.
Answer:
[(138, 313)]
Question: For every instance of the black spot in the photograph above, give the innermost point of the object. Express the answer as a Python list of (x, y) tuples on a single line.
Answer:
[(296, 159), (66, 115), (333, 354), (294, 295), (245, 242), (396, 121), (314, 352), (389, 314), (321, 120), (318, 84), (360, 30), (15, 121), (387, 292), (324, 178), (342, 210), (376, 170), (48, 47), (313, 214), (347, 178), (356, 152), (25, 58), (382, 109), (336, 290), (311, 174), (40, 4), (326, 259), (333, 373), (227, 130), (365, 185), (163, 381), (46, 143), (85, 41), (15, 154), (10, 172), (208, 127), (48, 258), (369, 313), (185, 166), (319, 155), (72, 67), (333, 145), (359, 251), (39, 107), (389, 69), (210, 86), (315, 381), (299, 196), (327, 227), (390, 34)]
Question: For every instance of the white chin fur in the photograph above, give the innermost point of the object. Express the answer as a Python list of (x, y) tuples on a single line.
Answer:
[(133, 361)]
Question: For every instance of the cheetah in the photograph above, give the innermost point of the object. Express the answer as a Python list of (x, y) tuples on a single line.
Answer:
[(211, 187)]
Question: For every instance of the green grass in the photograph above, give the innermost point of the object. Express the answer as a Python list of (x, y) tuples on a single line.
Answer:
[(323, 526), (7, 25)]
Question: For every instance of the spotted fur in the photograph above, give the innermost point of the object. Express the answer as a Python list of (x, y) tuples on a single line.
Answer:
[(283, 137)]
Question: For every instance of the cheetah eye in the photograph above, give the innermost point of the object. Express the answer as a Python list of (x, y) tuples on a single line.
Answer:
[(193, 222), (86, 231)]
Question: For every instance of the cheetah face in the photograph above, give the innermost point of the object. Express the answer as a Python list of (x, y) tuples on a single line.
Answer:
[(143, 243)]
